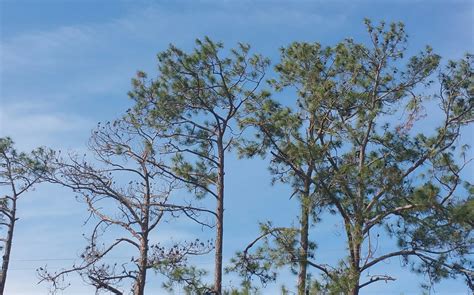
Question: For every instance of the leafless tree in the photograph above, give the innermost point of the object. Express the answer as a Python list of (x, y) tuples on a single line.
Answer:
[(127, 198)]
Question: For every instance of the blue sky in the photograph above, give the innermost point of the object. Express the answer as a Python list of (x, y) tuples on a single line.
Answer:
[(66, 64)]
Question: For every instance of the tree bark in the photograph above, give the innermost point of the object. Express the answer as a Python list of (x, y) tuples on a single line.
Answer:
[(219, 222), (304, 232), (355, 290), (303, 249), (8, 246), (355, 268), (355, 284), (143, 263)]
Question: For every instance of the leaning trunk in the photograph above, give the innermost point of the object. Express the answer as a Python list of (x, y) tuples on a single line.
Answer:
[(220, 223), (8, 247)]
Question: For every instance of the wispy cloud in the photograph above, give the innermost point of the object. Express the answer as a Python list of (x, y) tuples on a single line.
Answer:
[(46, 74), (158, 23), (40, 49), (33, 125)]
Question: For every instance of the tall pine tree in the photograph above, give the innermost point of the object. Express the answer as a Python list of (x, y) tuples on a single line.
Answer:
[(194, 102), (355, 135)]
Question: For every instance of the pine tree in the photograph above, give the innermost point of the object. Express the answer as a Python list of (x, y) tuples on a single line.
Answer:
[(355, 136), (194, 102), (19, 173)]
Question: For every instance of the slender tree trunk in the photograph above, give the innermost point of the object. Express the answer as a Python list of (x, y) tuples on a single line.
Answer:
[(8, 247), (219, 247), (304, 232), (143, 262), (303, 249), (142, 268), (220, 222), (355, 263)]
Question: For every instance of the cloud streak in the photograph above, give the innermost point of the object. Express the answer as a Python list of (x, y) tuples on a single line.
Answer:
[(32, 125)]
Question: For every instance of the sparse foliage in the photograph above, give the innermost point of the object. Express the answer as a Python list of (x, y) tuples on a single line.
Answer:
[(19, 173), (127, 197)]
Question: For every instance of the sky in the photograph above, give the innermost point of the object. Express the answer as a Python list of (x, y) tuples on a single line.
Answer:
[(66, 65)]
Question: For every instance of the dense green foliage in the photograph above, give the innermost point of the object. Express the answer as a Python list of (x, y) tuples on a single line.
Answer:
[(193, 104), (342, 146)]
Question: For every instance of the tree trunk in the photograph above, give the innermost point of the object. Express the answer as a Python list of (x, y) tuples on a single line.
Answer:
[(355, 263), (8, 247), (303, 249), (355, 291), (220, 223), (355, 286), (304, 232), (142, 268), (143, 262)]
